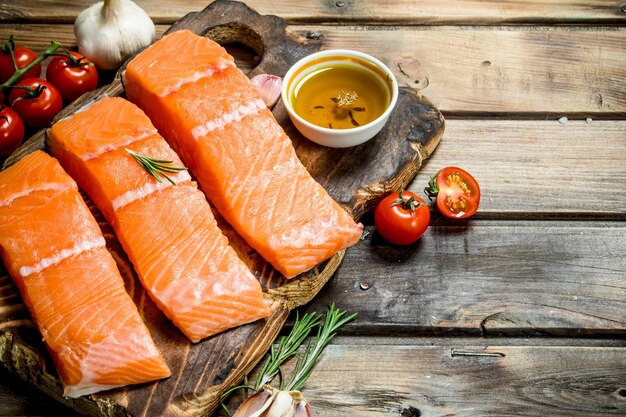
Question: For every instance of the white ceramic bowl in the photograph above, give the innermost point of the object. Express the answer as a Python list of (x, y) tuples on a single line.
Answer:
[(336, 138)]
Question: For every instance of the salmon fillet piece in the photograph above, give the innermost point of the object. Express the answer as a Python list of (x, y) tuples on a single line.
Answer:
[(168, 231), (70, 282), (242, 158)]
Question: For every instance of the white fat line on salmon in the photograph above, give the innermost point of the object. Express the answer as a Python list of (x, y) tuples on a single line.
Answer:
[(220, 65), (111, 147), (227, 118), (147, 189), (55, 186), (60, 256)]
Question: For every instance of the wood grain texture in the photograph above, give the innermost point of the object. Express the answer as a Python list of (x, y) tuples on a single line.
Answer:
[(521, 70), (202, 371), (422, 380), (538, 169), (440, 376), (397, 12), (540, 72), (437, 377), (488, 278)]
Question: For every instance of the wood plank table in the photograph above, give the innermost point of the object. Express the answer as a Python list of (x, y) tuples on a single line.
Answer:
[(520, 310)]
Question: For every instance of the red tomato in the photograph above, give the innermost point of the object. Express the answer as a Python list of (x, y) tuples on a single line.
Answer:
[(23, 57), (401, 218), (73, 77), (36, 110), (11, 131), (458, 193)]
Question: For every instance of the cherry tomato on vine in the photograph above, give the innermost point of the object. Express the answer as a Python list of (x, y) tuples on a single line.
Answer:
[(72, 76), (23, 56), (457, 192), (11, 130), (402, 218), (38, 103)]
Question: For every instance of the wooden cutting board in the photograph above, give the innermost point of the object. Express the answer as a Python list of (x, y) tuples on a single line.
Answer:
[(356, 177)]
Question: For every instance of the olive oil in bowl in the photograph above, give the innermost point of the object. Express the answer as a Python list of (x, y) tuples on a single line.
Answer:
[(340, 94), (339, 98)]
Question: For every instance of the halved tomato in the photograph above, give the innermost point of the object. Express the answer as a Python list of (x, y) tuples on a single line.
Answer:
[(457, 192)]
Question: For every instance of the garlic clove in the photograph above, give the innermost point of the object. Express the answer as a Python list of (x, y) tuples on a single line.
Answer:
[(255, 405), (109, 32), (302, 409), (271, 402), (282, 406), (268, 86)]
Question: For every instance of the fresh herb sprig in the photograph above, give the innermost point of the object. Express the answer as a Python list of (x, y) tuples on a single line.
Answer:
[(286, 400), (286, 348), (335, 318), (155, 167)]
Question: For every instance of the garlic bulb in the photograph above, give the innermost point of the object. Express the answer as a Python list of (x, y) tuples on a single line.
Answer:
[(272, 402), (109, 32)]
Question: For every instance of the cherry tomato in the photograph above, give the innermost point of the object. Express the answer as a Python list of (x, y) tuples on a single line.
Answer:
[(401, 218), (72, 76), (36, 110), (23, 57), (457, 192), (11, 131)]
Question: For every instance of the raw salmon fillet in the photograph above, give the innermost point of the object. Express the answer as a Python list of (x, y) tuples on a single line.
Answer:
[(56, 255), (168, 231), (210, 113)]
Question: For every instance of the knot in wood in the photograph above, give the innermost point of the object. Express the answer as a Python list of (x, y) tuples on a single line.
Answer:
[(411, 412)]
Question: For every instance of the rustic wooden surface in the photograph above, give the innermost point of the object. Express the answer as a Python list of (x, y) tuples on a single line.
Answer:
[(538, 275), (392, 12), (525, 71), (361, 176)]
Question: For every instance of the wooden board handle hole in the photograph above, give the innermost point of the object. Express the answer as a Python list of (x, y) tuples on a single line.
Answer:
[(237, 33)]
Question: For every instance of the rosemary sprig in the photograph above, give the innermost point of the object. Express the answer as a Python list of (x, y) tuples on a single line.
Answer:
[(335, 318), (155, 167), (286, 348)]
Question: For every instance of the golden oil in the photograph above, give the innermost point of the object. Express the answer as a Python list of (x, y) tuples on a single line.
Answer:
[(341, 94)]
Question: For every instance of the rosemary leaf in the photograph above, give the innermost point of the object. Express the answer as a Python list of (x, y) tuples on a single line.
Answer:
[(287, 347), (335, 318), (156, 167)]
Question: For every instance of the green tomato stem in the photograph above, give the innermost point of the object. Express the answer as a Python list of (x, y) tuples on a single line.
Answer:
[(9, 48), (18, 73), (74, 62)]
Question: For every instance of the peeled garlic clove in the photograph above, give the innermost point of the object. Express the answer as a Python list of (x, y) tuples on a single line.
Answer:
[(111, 31), (255, 405), (268, 87)]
